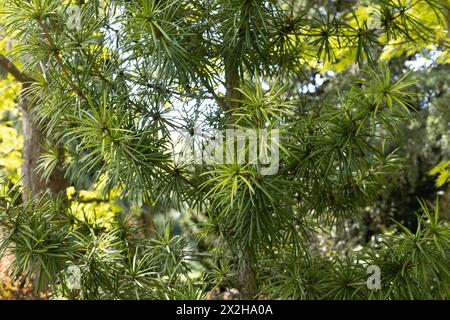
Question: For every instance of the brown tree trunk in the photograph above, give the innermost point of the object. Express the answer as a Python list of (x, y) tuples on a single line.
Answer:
[(32, 149), (147, 220), (247, 273), (231, 85)]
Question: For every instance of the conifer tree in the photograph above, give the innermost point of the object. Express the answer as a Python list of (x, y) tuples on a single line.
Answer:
[(111, 81)]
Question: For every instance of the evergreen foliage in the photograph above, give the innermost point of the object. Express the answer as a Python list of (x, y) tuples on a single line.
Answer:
[(113, 90)]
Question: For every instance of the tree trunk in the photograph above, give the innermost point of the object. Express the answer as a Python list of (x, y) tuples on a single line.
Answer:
[(33, 181), (231, 85), (247, 274), (147, 221)]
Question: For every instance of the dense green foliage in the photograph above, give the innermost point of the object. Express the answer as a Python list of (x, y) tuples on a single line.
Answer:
[(113, 89)]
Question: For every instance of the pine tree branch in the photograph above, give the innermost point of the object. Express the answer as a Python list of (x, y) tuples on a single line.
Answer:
[(9, 66), (60, 62)]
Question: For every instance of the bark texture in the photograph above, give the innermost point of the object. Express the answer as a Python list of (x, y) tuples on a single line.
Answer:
[(247, 272), (32, 149), (247, 275)]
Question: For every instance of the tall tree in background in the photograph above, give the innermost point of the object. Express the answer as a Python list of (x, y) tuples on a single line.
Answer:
[(114, 79), (33, 148)]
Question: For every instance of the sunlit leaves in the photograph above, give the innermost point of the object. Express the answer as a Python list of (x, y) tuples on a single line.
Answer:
[(443, 172), (384, 99), (260, 108)]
